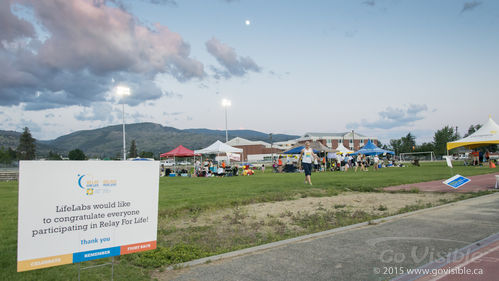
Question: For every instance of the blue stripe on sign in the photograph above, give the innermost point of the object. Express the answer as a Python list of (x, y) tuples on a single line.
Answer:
[(96, 254)]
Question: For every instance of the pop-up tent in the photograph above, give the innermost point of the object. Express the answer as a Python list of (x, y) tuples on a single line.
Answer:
[(217, 148), (486, 135), (179, 151), (342, 149), (371, 149), (316, 146)]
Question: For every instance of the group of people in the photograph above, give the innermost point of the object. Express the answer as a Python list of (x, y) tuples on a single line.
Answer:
[(359, 161), (479, 158), (308, 160)]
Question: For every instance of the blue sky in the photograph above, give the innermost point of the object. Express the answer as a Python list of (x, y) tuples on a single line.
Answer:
[(383, 68)]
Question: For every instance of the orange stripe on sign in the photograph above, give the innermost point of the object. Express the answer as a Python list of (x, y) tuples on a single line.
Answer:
[(44, 262), (139, 247)]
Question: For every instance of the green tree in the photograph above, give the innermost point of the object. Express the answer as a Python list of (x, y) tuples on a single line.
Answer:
[(133, 150), (146, 154), (26, 149), (442, 137), (12, 153), (408, 143), (396, 145), (426, 146), (472, 129), (76, 154), (53, 156), (5, 157)]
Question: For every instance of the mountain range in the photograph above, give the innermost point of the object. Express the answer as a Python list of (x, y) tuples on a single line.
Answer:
[(108, 141)]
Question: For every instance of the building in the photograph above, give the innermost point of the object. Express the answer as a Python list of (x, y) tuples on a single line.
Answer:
[(351, 140), (254, 150)]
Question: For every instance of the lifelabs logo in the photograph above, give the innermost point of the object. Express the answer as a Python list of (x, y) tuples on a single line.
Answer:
[(92, 185)]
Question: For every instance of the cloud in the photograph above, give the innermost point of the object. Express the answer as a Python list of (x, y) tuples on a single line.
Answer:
[(98, 112), (228, 58), (172, 113), (393, 117), (371, 3), (171, 3), (12, 26), (468, 6), (87, 43), (33, 126)]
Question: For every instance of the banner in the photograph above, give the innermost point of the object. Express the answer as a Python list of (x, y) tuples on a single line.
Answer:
[(234, 156), (74, 211)]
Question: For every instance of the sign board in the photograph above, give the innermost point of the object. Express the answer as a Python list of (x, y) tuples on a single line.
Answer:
[(448, 160), (234, 156), (456, 181), (75, 211)]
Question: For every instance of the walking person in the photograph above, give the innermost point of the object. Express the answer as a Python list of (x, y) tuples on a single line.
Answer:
[(358, 162), (376, 162), (307, 155)]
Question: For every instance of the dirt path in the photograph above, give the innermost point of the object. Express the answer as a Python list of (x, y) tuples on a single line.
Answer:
[(284, 211)]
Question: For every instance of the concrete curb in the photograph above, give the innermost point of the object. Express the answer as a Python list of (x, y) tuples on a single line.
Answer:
[(313, 235)]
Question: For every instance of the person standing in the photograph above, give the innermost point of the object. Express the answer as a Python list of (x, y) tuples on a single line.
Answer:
[(376, 162), (358, 162), (307, 155)]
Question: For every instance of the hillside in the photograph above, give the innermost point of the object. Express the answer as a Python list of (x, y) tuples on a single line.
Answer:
[(108, 141), (11, 139)]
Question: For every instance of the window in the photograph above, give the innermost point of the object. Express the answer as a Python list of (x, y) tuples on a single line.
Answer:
[(329, 143), (361, 142), (351, 142)]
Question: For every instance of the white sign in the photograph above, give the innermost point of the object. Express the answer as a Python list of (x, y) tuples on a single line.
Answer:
[(74, 211), (234, 156), (448, 159)]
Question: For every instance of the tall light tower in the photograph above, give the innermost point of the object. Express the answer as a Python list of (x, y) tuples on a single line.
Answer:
[(226, 103), (123, 91)]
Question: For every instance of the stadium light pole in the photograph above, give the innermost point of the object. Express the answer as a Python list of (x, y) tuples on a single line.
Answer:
[(271, 148), (123, 91), (226, 103)]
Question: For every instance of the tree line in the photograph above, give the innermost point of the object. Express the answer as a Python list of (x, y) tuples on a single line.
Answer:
[(438, 145)]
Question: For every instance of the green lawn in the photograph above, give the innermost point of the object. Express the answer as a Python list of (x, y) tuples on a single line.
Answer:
[(199, 193), (193, 195)]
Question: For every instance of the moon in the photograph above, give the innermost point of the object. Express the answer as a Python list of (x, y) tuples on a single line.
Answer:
[(247, 22)]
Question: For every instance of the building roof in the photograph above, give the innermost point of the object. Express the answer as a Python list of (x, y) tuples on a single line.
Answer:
[(237, 141), (322, 135)]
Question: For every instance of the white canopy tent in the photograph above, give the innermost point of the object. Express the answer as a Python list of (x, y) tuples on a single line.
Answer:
[(486, 135), (217, 148), (342, 149)]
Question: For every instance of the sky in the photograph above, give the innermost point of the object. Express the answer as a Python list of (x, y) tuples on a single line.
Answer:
[(383, 68)]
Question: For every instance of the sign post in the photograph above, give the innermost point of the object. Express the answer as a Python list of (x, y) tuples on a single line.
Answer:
[(75, 211)]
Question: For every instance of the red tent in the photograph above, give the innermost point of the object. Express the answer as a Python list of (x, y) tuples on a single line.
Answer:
[(180, 151)]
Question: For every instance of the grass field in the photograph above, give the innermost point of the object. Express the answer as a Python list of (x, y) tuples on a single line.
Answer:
[(188, 197)]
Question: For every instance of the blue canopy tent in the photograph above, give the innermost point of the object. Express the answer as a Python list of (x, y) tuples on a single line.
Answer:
[(297, 150), (371, 149)]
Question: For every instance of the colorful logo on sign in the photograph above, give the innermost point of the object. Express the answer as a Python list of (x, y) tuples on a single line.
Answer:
[(92, 186)]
